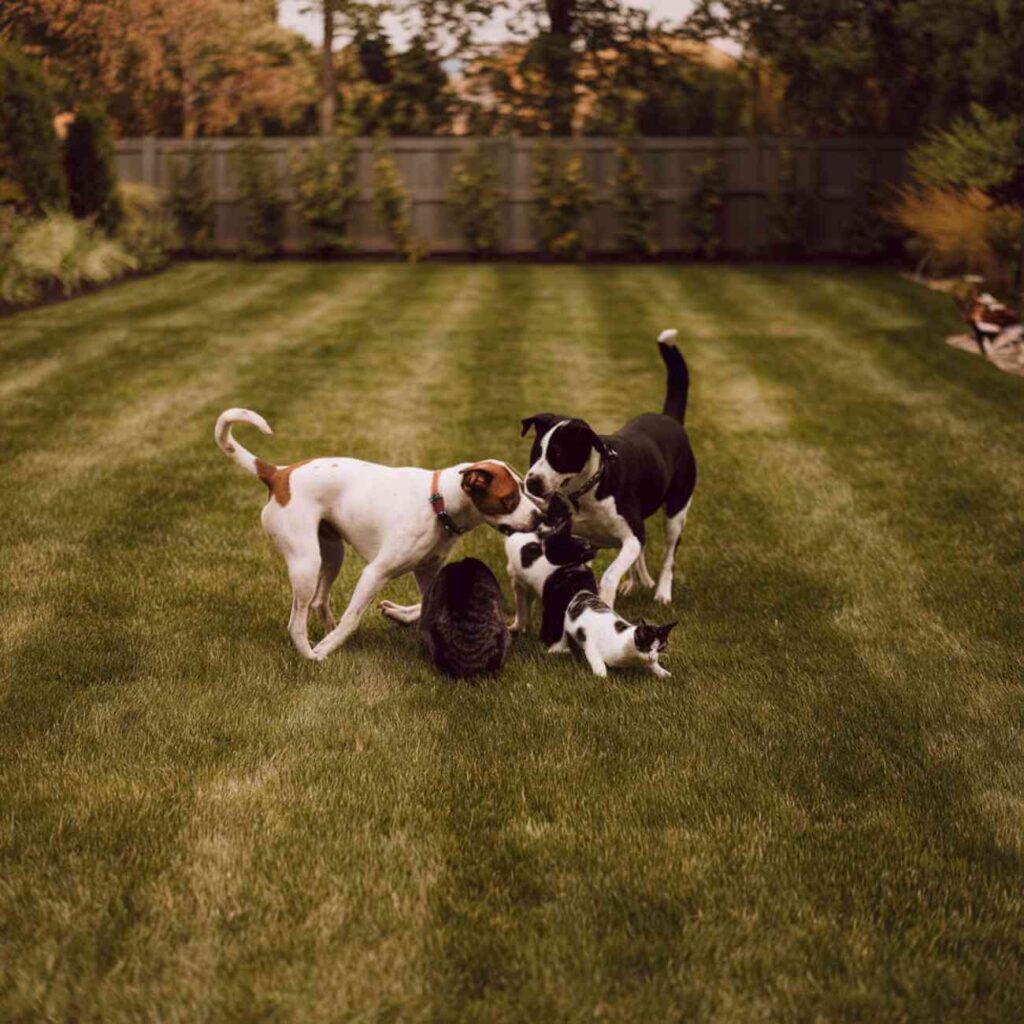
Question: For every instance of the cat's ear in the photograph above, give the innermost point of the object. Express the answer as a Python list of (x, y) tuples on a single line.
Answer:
[(589, 553), (667, 628), (641, 622)]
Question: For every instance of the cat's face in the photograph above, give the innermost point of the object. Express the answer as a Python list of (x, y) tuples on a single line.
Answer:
[(562, 548), (652, 639)]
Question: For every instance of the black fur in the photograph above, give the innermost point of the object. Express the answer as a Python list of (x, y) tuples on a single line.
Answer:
[(647, 636), (530, 553), (648, 463), (463, 620), (559, 589)]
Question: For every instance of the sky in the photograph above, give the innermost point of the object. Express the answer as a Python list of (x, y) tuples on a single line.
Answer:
[(309, 24)]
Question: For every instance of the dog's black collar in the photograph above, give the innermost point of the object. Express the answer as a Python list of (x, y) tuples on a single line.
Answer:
[(444, 517), (574, 496)]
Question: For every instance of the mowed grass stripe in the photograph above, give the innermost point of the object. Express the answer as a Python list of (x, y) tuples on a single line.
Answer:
[(81, 350), (343, 745), (143, 362), (786, 829), (544, 766), (958, 493), (131, 428), (33, 335), (913, 692), (230, 780)]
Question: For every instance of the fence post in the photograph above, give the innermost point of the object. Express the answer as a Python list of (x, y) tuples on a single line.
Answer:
[(149, 160)]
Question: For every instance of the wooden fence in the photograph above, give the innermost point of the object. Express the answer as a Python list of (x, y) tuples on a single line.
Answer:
[(834, 172)]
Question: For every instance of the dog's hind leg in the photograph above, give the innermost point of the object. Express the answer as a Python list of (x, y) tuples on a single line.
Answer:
[(641, 570), (673, 530), (332, 553), (304, 572)]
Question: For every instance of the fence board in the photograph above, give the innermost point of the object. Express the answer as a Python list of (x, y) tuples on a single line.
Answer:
[(834, 171)]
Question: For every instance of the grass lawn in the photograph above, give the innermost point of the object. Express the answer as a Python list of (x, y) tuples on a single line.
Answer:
[(819, 817)]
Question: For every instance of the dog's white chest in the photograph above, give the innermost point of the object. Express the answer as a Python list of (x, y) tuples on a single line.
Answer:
[(599, 522)]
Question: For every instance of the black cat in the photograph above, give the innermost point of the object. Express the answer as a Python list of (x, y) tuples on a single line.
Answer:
[(463, 621)]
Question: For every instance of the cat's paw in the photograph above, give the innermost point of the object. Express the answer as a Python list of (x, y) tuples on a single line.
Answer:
[(661, 673)]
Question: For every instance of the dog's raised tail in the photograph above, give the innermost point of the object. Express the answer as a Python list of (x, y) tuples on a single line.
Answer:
[(677, 384), (227, 443)]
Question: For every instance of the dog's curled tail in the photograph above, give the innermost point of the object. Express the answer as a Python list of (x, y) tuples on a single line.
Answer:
[(677, 385), (227, 444)]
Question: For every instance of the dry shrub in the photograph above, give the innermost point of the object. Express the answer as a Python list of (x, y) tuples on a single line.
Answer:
[(958, 231)]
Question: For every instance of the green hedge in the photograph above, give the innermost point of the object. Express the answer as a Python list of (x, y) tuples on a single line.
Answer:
[(31, 162)]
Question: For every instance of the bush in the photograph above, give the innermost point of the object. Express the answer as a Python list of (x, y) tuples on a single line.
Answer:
[(561, 199), (391, 204), (475, 199), (59, 254), (30, 153), (324, 177), (960, 231), (870, 232), (633, 205), (262, 208), (146, 229), (979, 151), (702, 209), (89, 166), (191, 204), (790, 211)]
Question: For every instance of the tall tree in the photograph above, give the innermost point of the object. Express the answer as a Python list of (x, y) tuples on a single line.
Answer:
[(888, 66)]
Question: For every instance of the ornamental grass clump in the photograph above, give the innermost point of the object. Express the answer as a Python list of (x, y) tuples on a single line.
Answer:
[(59, 255)]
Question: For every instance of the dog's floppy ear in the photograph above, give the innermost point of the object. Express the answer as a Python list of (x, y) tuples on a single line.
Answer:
[(542, 422), (476, 478), (606, 453)]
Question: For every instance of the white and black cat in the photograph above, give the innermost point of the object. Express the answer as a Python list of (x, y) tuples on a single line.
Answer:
[(463, 620), (607, 639), (552, 564)]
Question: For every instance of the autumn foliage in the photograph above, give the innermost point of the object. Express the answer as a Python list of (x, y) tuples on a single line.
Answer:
[(189, 67)]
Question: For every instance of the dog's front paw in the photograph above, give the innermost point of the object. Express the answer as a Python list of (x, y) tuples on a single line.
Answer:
[(627, 586), (663, 596)]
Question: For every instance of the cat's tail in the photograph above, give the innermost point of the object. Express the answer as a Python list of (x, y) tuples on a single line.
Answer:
[(677, 384)]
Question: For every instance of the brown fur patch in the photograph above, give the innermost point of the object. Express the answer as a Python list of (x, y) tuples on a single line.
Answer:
[(491, 486), (277, 479)]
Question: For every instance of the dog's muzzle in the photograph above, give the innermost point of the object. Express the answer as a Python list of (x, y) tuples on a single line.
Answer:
[(535, 486)]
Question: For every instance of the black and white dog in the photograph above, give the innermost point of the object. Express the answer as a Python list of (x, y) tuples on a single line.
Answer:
[(616, 481)]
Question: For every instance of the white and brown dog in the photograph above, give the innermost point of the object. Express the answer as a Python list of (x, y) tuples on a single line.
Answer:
[(398, 519)]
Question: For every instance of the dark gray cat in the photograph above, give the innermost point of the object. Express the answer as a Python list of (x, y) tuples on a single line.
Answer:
[(463, 620)]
